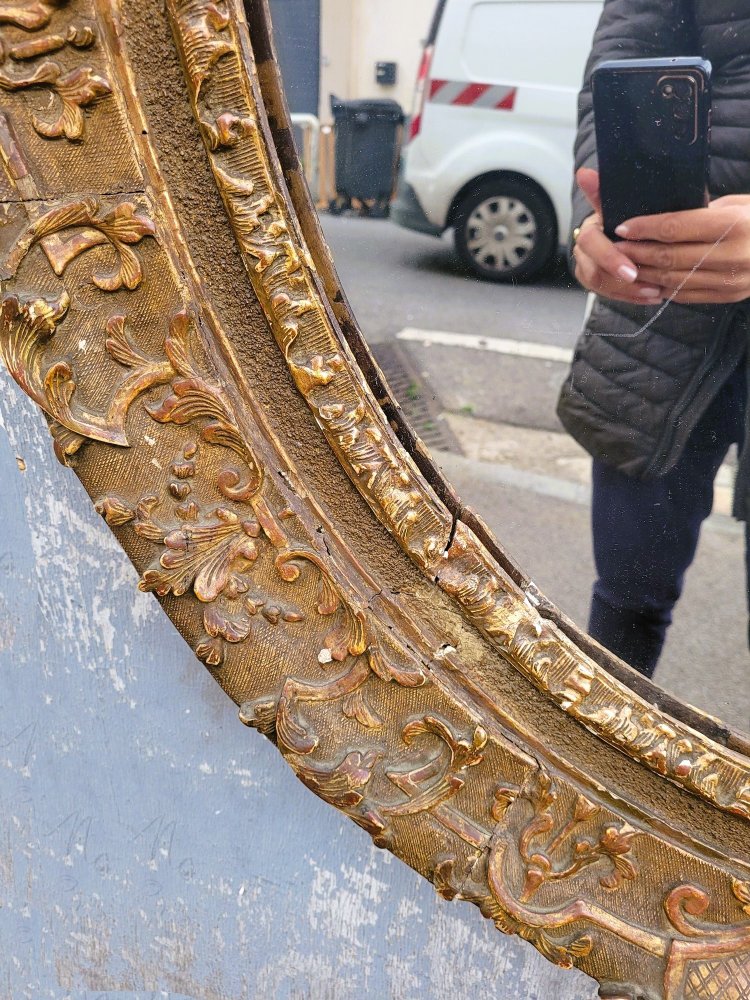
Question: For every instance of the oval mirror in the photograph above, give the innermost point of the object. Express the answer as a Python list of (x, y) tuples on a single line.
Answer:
[(170, 304)]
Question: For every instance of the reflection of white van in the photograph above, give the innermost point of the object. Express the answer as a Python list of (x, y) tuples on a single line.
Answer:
[(490, 150)]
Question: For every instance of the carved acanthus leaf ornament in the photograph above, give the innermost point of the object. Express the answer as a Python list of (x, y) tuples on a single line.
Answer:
[(282, 278), (28, 14), (338, 651), (280, 269), (74, 89)]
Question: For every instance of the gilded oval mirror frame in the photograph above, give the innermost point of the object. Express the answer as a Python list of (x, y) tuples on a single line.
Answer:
[(233, 431)]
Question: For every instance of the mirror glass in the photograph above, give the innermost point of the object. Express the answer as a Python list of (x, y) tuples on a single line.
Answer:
[(437, 138)]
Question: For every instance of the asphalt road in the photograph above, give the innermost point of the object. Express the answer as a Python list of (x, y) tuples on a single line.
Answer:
[(396, 278), (518, 469)]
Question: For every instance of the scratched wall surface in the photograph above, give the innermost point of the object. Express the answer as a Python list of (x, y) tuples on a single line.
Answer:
[(151, 846)]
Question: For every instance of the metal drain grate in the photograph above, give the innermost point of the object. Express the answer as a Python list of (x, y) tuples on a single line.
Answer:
[(416, 397)]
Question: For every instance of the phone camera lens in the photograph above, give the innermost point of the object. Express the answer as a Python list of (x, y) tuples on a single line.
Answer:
[(667, 91)]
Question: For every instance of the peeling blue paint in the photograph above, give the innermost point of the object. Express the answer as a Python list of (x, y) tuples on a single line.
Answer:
[(151, 848)]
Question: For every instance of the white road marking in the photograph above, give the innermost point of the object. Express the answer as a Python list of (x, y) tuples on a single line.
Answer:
[(544, 485), (472, 341)]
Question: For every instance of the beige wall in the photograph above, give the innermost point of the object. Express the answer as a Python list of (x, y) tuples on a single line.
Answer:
[(355, 34)]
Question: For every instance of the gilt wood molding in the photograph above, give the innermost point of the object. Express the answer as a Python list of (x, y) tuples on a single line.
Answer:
[(282, 272), (167, 303)]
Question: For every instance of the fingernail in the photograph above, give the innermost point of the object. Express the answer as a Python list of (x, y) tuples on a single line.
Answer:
[(650, 293), (628, 272), (622, 230)]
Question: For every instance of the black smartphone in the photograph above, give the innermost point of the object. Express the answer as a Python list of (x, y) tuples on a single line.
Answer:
[(653, 129)]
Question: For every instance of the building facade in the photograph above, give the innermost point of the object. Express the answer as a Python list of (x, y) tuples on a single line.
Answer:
[(358, 34), (333, 47)]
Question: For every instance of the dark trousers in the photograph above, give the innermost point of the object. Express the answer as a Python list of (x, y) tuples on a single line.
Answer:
[(646, 533)]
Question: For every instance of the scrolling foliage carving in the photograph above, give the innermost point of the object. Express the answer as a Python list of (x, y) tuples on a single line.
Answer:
[(281, 274), (28, 323), (283, 278), (582, 688), (540, 867), (103, 322), (25, 65), (558, 839)]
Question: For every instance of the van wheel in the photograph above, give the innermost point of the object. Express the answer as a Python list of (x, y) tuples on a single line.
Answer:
[(505, 231)]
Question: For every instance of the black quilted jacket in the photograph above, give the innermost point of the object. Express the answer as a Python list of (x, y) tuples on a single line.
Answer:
[(632, 401)]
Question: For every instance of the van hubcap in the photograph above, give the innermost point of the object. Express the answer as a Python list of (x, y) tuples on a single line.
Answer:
[(501, 233)]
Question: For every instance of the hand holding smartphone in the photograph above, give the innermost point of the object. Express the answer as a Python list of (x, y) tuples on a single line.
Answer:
[(653, 136), (653, 123)]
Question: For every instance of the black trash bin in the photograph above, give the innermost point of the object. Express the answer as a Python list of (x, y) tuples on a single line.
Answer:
[(366, 153)]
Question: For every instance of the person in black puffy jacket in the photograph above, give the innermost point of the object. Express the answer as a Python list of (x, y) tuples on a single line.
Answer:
[(658, 395)]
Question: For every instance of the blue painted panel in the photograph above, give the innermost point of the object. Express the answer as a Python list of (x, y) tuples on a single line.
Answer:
[(152, 847)]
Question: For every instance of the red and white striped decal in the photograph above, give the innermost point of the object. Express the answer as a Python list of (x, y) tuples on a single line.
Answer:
[(475, 95)]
